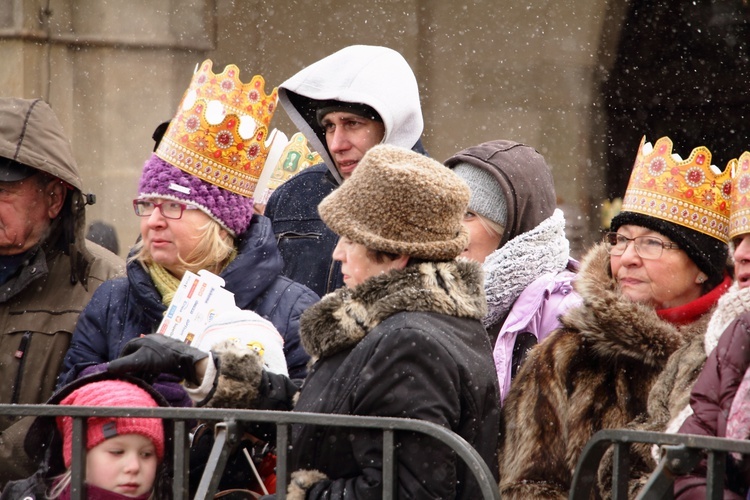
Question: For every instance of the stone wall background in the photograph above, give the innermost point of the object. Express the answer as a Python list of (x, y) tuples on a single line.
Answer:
[(489, 69)]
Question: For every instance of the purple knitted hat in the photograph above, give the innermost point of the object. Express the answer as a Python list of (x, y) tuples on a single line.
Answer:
[(162, 180)]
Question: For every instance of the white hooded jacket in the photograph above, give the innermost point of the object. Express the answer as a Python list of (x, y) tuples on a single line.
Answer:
[(377, 76)]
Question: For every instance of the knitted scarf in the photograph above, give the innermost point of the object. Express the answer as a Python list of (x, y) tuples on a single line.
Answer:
[(733, 303), (690, 312), (511, 268), (165, 282)]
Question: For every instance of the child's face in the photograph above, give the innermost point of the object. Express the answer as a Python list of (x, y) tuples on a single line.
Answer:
[(124, 464)]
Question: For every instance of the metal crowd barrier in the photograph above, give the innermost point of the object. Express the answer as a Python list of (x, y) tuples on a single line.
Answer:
[(681, 453), (228, 432)]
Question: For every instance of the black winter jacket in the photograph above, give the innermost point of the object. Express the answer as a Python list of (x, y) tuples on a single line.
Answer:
[(404, 344)]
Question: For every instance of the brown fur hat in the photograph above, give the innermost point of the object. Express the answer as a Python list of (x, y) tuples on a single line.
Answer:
[(401, 202)]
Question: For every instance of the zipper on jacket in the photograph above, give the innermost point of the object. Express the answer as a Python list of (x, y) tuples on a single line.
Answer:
[(296, 236), (20, 355)]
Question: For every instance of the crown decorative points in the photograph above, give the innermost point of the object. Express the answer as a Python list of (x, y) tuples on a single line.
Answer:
[(296, 157), (691, 193), (739, 217), (220, 130)]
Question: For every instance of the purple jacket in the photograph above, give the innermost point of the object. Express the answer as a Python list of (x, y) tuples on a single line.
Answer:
[(536, 311)]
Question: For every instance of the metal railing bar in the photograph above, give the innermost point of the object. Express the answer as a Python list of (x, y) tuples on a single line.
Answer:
[(621, 464), (181, 463), (586, 470), (282, 419), (389, 465), (78, 458), (716, 468), (226, 435), (687, 451), (282, 459), (658, 484)]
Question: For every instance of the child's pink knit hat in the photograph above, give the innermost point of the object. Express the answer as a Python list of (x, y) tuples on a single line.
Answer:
[(111, 393)]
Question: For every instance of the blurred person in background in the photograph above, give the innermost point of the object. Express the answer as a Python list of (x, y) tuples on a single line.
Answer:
[(104, 234)]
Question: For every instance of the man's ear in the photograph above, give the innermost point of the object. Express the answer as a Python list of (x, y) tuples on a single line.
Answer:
[(55, 193)]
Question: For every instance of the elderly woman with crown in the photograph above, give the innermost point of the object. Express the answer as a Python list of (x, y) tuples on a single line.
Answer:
[(195, 204), (648, 290)]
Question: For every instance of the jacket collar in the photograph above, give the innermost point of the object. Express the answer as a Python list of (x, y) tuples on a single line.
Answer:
[(342, 318)]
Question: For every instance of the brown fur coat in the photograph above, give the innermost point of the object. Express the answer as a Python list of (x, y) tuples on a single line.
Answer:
[(593, 373)]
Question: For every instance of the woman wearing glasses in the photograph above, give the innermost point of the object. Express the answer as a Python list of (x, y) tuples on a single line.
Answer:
[(647, 291), (200, 227), (188, 223)]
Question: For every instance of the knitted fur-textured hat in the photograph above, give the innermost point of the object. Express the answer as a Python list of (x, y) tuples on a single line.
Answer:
[(487, 198), (111, 393), (708, 253), (162, 180), (401, 202)]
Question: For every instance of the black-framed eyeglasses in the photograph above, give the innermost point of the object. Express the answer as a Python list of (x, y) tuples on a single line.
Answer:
[(169, 209), (647, 247)]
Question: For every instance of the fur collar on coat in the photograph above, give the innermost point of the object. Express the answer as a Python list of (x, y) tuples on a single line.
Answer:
[(342, 318)]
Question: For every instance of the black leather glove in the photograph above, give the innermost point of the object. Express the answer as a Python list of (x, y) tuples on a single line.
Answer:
[(156, 353)]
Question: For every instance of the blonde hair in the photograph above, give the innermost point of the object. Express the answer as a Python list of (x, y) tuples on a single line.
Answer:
[(493, 228), (215, 249)]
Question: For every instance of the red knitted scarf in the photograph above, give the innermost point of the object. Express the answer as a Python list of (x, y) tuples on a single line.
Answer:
[(683, 315)]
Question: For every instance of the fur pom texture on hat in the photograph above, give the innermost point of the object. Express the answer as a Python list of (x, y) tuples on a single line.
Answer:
[(401, 202), (487, 197), (162, 180), (111, 393), (708, 253)]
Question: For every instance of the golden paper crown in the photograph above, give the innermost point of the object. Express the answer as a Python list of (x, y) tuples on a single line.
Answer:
[(296, 157), (687, 192), (220, 129), (739, 217)]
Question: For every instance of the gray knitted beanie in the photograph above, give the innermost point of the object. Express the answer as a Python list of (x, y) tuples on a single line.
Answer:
[(401, 202), (487, 198)]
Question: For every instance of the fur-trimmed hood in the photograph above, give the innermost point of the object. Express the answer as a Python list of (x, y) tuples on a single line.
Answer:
[(612, 323), (342, 318)]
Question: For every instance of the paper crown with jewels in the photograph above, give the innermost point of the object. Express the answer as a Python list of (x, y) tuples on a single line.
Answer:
[(295, 157), (692, 192), (739, 217), (220, 132)]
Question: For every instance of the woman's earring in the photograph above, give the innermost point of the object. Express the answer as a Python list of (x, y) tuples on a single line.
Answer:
[(701, 279)]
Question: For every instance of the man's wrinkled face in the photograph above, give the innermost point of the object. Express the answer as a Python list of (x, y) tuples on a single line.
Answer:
[(26, 210)]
